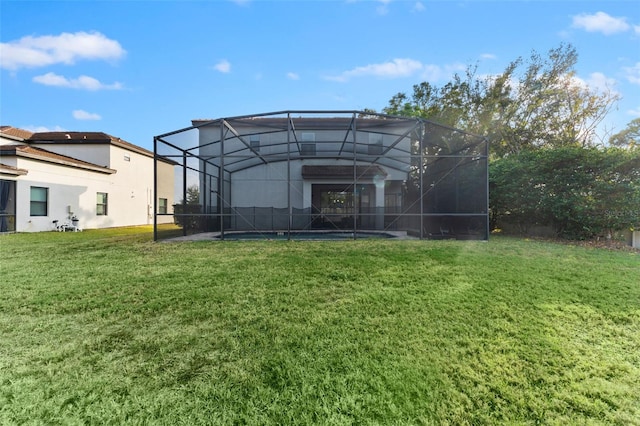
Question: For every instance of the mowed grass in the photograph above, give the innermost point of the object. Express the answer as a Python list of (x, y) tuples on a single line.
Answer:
[(107, 327)]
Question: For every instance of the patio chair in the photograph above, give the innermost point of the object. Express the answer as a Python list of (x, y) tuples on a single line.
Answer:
[(73, 226), (66, 226)]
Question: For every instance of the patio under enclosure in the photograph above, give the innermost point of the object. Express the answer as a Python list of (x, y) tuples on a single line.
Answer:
[(295, 173)]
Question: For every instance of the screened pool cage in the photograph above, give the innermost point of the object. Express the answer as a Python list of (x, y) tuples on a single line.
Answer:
[(295, 173)]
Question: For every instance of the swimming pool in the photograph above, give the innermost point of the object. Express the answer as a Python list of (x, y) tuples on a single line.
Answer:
[(304, 235)]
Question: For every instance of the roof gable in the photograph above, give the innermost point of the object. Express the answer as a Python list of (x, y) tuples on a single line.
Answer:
[(43, 155), (15, 133), (69, 137), (90, 138), (6, 169)]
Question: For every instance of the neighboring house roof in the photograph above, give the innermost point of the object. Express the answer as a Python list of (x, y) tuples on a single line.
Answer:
[(96, 138), (5, 169), (10, 132), (43, 155), (86, 138)]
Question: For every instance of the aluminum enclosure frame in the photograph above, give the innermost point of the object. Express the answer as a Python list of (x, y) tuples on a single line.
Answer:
[(302, 170)]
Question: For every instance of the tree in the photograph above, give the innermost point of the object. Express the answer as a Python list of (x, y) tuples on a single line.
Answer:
[(193, 194), (451, 105), (581, 191), (629, 137), (541, 120), (183, 210), (516, 192), (533, 103)]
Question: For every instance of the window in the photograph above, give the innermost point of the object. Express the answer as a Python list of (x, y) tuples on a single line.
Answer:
[(308, 144), (254, 142), (162, 206), (101, 203), (375, 144), (7, 205), (39, 201), (127, 157), (308, 149)]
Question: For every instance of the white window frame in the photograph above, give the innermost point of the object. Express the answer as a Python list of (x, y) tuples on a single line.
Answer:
[(39, 202), (104, 204), (376, 146), (162, 206), (254, 142), (307, 144)]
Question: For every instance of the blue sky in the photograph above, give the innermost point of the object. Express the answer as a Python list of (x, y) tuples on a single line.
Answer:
[(136, 69)]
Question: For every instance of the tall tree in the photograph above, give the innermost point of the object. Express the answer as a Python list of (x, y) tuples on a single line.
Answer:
[(193, 194), (538, 102), (629, 137), (553, 107), (187, 210)]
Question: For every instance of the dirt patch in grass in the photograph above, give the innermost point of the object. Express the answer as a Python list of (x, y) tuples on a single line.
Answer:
[(601, 243)]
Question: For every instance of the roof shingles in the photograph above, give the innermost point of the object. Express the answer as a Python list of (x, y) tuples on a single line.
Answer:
[(15, 132)]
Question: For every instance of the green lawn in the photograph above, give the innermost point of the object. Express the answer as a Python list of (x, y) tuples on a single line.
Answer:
[(107, 327)]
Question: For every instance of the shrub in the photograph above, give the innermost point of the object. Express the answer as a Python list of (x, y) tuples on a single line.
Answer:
[(581, 192)]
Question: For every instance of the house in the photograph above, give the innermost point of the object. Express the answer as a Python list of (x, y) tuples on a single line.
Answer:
[(101, 180), (338, 170)]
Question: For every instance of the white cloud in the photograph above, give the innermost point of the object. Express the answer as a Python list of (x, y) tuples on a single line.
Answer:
[(596, 81), (633, 73), (636, 29), (223, 66), (601, 82), (52, 79), (79, 114), (434, 73), (339, 97), (383, 7), (293, 76), (600, 22), (488, 56), (83, 82), (393, 69), (419, 7), (39, 129), (66, 48), (399, 68), (634, 112)]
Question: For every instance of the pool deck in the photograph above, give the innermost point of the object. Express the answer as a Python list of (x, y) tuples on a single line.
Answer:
[(215, 236)]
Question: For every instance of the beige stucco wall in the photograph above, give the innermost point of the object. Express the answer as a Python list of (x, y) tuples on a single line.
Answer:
[(166, 184), (70, 190), (98, 154), (130, 189), (248, 186), (267, 185)]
